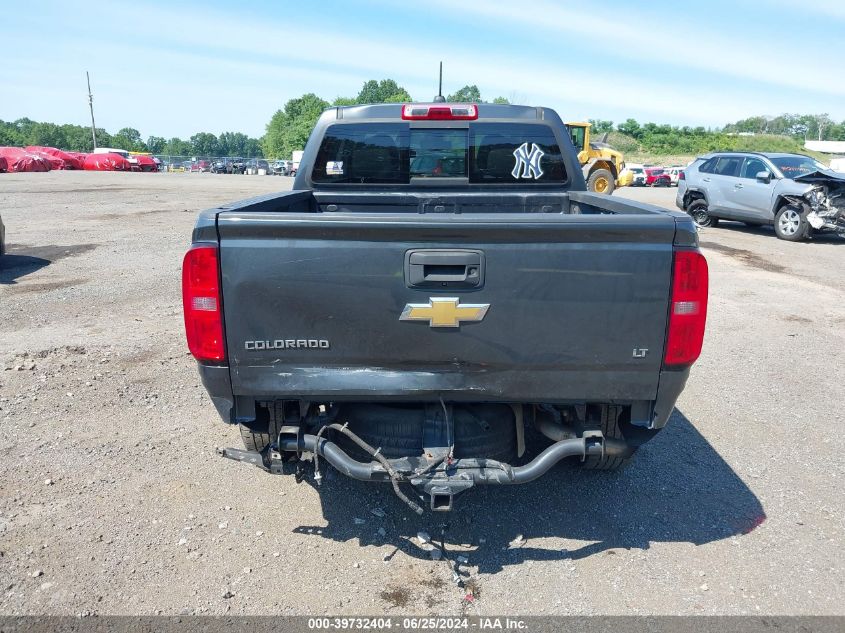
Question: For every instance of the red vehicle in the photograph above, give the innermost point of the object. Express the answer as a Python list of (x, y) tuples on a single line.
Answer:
[(146, 162), (58, 159), (106, 162), (657, 177), (18, 159), (4, 165)]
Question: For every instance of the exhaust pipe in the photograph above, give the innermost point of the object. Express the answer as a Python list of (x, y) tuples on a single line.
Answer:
[(482, 471), (552, 430), (336, 456), (443, 481)]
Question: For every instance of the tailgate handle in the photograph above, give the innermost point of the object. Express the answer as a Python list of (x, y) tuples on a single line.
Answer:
[(431, 268)]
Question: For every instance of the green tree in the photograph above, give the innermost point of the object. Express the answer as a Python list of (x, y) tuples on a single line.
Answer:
[(156, 144), (345, 101), (253, 148), (25, 127), (232, 143), (290, 127), (48, 134), (384, 91), (501, 100), (467, 94), (177, 147), (104, 139), (204, 144), (600, 126), (9, 134), (630, 127), (128, 138), (78, 138)]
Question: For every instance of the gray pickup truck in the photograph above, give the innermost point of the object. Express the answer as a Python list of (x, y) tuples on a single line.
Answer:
[(437, 285)]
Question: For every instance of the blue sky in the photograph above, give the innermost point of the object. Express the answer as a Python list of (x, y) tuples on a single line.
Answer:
[(176, 68)]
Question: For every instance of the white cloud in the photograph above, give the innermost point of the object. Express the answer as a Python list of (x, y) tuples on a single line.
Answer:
[(212, 70), (372, 55), (636, 41)]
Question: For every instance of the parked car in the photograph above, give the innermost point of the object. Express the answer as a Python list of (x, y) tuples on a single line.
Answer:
[(638, 175), (237, 166), (259, 166), (281, 167), (204, 166), (108, 161), (19, 160), (58, 158), (657, 177), (132, 160), (221, 166), (674, 174), (146, 162), (390, 343), (793, 192)]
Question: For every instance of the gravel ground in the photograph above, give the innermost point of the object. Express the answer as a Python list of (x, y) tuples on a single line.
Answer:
[(113, 500)]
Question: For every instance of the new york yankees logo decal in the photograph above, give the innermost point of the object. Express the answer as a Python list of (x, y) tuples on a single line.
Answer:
[(528, 162)]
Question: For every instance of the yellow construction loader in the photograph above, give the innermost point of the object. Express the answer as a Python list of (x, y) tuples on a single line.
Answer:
[(603, 166)]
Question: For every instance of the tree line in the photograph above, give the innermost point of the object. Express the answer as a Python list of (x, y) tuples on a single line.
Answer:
[(77, 138), (290, 126), (786, 132)]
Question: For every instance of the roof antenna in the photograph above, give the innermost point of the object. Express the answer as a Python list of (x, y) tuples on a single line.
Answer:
[(440, 98)]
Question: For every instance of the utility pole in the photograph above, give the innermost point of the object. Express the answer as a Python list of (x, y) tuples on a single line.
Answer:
[(91, 106)]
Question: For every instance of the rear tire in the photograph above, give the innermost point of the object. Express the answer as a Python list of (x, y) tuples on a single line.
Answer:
[(265, 429), (601, 181), (791, 223), (611, 419), (698, 213), (254, 440)]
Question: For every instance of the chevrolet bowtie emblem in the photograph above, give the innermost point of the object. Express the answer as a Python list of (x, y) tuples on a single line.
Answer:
[(444, 312)]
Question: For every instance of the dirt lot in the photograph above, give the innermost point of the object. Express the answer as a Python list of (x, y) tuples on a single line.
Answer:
[(113, 500)]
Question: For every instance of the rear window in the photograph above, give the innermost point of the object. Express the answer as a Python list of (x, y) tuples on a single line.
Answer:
[(722, 166), (707, 166), (396, 153)]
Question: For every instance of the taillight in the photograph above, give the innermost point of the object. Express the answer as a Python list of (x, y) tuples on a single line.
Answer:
[(681, 176), (687, 310), (202, 305), (439, 112)]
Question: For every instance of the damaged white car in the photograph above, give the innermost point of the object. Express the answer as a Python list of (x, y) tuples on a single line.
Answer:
[(796, 194)]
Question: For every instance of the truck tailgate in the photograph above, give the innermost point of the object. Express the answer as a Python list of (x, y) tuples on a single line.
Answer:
[(577, 305)]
